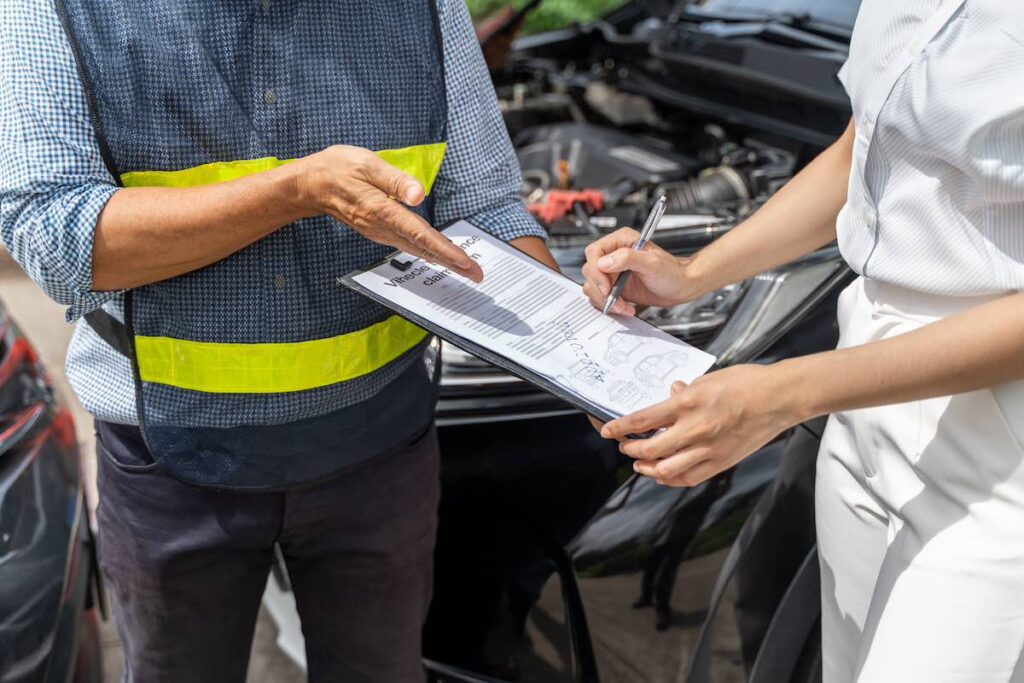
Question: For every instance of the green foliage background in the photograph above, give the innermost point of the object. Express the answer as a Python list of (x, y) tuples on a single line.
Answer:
[(551, 14)]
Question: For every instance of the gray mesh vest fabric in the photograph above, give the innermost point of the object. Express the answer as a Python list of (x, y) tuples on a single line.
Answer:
[(175, 84)]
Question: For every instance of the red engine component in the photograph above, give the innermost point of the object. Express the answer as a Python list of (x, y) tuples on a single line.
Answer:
[(558, 203)]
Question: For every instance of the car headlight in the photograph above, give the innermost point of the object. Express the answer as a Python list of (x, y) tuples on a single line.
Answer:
[(698, 321), (25, 390), (773, 303), (740, 321)]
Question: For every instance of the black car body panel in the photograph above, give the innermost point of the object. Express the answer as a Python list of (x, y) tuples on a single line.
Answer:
[(554, 561), (546, 537), (48, 629)]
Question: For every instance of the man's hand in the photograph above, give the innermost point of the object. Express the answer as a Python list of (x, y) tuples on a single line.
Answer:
[(706, 427), (148, 234), (360, 189), (659, 278)]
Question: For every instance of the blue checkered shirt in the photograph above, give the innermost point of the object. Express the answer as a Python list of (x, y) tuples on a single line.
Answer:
[(53, 182)]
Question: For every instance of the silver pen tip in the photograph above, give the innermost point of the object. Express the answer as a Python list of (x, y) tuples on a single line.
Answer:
[(607, 305)]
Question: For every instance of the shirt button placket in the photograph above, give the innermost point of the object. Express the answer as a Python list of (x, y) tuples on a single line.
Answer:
[(262, 93), (268, 93), (870, 218)]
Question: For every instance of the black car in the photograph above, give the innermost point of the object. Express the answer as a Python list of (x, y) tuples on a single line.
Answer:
[(48, 588), (554, 561)]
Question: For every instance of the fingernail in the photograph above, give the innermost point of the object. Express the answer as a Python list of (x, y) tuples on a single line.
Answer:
[(603, 288), (636, 466), (411, 195), (605, 432), (606, 262)]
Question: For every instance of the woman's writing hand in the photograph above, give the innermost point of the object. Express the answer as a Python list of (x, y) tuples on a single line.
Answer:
[(658, 279)]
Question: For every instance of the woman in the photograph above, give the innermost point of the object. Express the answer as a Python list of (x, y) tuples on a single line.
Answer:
[(920, 500)]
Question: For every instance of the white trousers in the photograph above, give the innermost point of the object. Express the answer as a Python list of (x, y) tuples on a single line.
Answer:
[(920, 518)]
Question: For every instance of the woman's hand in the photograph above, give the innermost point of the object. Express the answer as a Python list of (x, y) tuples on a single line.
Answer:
[(360, 189), (658, 279), (708, 426)]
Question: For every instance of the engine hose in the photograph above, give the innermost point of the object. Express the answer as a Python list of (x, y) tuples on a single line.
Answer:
[(713, 187)]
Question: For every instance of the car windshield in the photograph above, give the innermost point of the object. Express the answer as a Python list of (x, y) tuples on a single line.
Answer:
[(841, 12)]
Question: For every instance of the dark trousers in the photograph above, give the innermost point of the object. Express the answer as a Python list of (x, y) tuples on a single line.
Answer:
[(186, 567)]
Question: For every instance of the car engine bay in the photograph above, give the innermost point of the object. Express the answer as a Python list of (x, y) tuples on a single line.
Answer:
[(585, 180)]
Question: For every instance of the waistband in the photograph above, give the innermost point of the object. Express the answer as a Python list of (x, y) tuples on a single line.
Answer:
[(920, 305)]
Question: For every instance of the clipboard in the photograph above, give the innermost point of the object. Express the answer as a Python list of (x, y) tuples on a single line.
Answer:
[(637, 360), (508, 365)]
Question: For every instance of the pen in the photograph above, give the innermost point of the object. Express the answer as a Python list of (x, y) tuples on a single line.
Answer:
[(657, 211)]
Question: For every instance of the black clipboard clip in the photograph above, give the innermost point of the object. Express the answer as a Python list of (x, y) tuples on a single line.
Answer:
[(401, 265)]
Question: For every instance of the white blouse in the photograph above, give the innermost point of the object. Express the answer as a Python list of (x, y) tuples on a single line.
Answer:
[(936, 195)]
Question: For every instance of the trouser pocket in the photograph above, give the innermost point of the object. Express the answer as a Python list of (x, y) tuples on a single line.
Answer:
[(123, 447)]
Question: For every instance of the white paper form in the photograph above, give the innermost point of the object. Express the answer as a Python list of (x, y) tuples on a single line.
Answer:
[(542, 321)]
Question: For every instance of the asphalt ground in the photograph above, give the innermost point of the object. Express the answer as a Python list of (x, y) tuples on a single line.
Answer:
[(42, 321)]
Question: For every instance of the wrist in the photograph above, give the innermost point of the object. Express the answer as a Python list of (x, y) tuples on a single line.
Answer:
[(794, 392), (294, 188), (694, 276)]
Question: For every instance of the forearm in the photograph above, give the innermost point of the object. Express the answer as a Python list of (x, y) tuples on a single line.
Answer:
[(148, 234), (978, 348), (536, 248), (798, 219), (724, 416)]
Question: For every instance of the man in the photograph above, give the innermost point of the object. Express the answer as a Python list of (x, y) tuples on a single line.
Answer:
[(192, 178)]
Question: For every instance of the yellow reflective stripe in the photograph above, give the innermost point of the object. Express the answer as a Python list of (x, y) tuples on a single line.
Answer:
[(273, 368), (207, 174), (422, 162)]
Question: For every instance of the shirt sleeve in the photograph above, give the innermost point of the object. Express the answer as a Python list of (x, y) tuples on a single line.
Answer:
[(844, 75), (480, 179), (53, 182)]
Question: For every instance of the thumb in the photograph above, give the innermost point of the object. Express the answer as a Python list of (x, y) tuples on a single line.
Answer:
[(627, 259), (396, 184), (678, 388)]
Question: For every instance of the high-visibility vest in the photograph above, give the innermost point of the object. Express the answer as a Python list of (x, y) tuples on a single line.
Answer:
[(262, 371)]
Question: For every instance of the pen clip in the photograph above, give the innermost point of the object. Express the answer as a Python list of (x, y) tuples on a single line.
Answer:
[(653, 218)]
